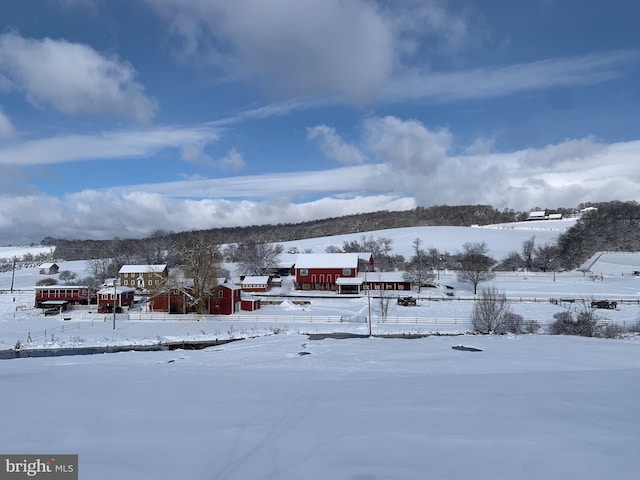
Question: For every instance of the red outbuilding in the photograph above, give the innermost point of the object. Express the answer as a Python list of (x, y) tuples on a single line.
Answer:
[(320, 271), (223, 300), (71, 294), (124, 297)]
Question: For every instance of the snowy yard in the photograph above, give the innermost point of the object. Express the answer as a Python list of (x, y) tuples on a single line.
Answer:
[(527, 407)]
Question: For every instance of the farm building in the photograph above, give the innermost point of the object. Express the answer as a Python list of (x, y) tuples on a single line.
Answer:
[(124, 297), (321, 271), (224, 300), (249, 304), (171, 301), (70, 294), (373, 281), (385, 281), (286, 264), (143, 277), (48, 268), (256, 283), (544, 215)]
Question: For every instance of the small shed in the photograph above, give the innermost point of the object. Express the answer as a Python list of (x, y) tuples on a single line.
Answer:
[(250, 304), (48, 268), (53, 307)]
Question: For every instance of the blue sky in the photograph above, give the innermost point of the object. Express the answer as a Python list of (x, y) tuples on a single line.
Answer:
[(118, 118)]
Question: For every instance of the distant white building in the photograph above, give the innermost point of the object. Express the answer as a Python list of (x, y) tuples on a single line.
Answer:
[(48, 268)]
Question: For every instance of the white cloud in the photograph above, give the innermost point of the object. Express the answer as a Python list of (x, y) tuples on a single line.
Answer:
[(233, 160), (493, 179), (333, 146), (406, 145), (365, 51), (73, 78), (573, 152), (6, 127), (275, 185), (444, 31), (108, 145), (318, 47), (416, 165), (496, 82), (104, 215), (195, 154), (480, 145)]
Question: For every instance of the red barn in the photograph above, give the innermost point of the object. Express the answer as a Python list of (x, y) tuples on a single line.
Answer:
[(225, 299), (319, 271), (172, 301), (124, 297), (73, 295)]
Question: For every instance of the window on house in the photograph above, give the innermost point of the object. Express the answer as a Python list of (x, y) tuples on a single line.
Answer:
[(346, 271), (304, 272)]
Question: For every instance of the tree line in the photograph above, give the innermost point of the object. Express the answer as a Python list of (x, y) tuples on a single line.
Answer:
[(612, 226)]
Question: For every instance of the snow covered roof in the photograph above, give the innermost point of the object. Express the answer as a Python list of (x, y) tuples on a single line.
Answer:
[(66, 287), (349, 281), (143, 268), (537, 214), (366, 256), (48, 265), (327, 260), (117, 289), (255, 280), (287, 260), (230, 286), (382, 276)]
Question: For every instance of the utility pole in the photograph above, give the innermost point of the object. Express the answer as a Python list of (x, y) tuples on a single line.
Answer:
[(115, 296), (13, 273), (369, 302)]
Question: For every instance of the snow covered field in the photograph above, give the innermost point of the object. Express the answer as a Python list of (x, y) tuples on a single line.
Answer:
[(529, 407), (282, 406)]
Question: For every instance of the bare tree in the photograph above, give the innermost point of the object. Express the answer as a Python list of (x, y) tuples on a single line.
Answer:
[(200, 260), (67, 276), (379, 247), (475, 264), (101, 268), (527, 252), (157, 248), (490, 312), (257, 258), (419, 269)]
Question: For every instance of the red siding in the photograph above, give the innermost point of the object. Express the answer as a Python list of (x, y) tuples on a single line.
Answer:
[(322, 278), (73, 294)]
